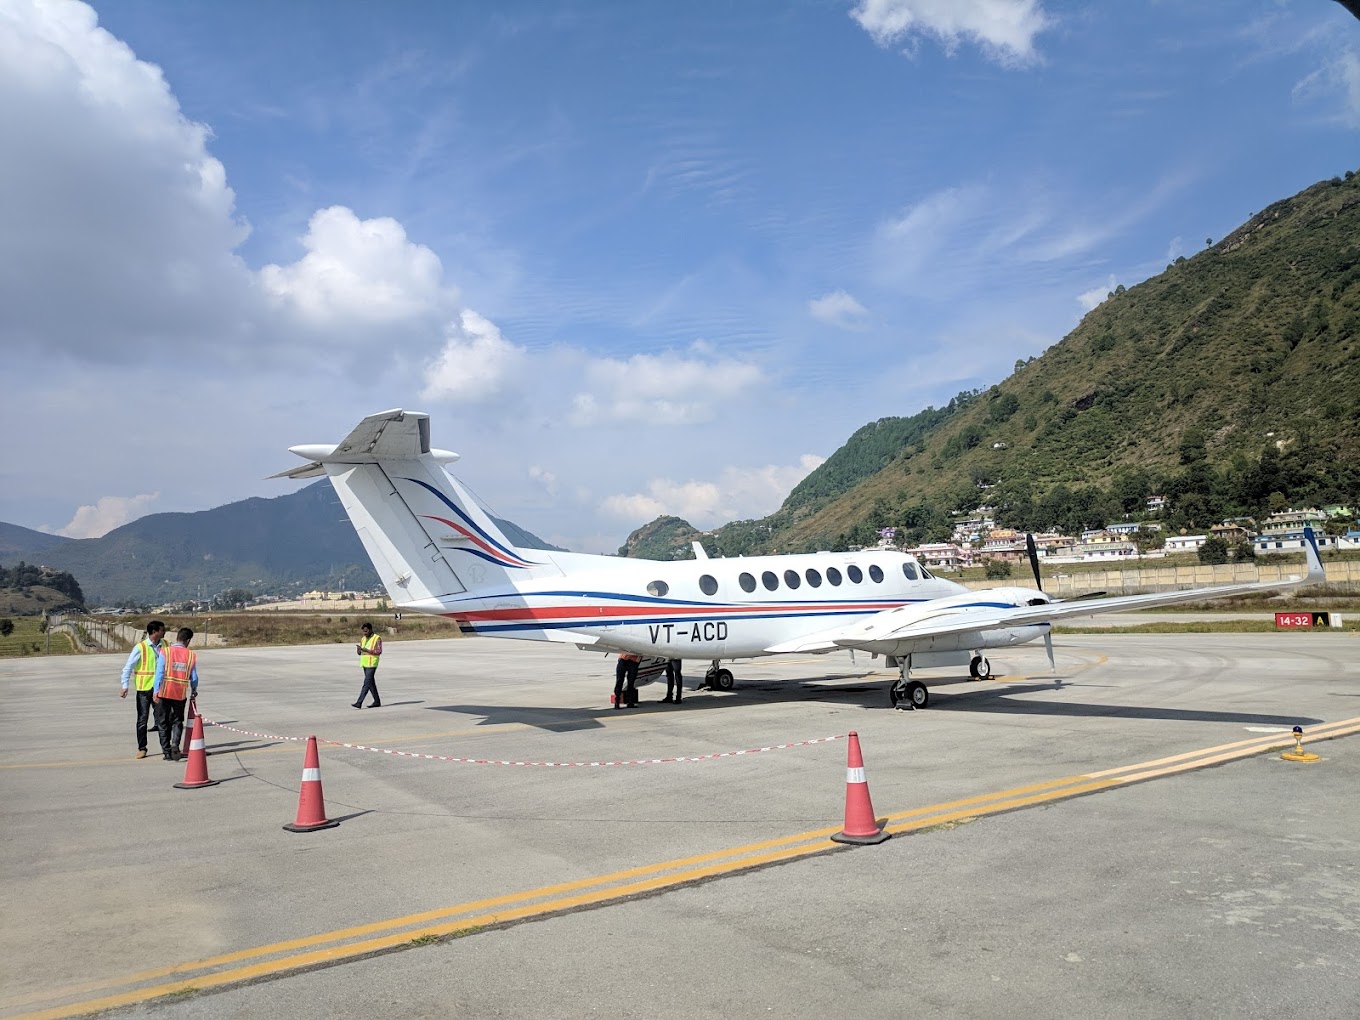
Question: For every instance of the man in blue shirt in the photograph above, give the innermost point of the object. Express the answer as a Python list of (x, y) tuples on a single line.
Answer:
[(141, 668)]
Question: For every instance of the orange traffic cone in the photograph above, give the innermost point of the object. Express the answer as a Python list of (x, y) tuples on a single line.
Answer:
[(188, 729), (196, 773), (860, 825), (311, 813)]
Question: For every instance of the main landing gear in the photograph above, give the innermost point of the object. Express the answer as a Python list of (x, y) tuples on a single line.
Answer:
[(980, 668), (906, 693), (717, 678)]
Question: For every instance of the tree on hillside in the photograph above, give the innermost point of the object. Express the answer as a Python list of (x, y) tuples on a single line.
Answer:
[(1213, 551), (6, 627)]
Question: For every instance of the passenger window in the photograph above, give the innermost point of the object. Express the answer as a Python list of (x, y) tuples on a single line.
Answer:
[(769, 580), (658, 588), (792, 579), (910, 570), (814, 579), (834, 576), (854, 573), (708, 584), (748, 583), (875, 573)]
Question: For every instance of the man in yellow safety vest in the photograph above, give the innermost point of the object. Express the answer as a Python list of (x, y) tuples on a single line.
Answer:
[(141, 668), (368, 650), (176, 682)]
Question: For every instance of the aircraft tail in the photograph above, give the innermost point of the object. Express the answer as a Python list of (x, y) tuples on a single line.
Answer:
[(427, 537)]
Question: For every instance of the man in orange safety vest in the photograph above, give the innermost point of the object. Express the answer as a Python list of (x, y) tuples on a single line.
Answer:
[(176, 683)]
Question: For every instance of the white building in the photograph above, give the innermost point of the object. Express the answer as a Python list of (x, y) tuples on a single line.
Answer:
[(1184, 543)]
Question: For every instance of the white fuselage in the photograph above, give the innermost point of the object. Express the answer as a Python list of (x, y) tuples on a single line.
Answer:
[(702, 608)]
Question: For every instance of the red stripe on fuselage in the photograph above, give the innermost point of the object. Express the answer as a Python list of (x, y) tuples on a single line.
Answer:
[(596, 612)]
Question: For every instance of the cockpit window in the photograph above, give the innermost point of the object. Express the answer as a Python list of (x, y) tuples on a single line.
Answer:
[(927, 573), (854, 573), (708, 584), (769, 580), (876, 573), (834, 576), (792, 579), (658, 588), (909, 569), (748, 583), (814, 579)]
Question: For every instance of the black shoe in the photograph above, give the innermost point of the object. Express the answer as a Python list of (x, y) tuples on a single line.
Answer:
[(677, 701), (376, 704), (356, 704), (668, 700), (618, 705), (175, 756), (167, 757)]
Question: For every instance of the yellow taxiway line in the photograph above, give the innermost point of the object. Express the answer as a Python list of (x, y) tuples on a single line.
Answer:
[(379, 936)]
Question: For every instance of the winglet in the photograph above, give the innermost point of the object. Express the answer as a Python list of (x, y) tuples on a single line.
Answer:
[(1317, 574)]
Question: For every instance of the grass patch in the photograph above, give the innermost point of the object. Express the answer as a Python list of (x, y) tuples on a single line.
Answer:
[(425, 940), (284, 627), (28, 638)]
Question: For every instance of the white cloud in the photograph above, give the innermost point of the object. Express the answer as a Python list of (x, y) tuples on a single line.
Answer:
[(359, 271), (108, 190), (1090, 298), (739, 494), (477, 362), (839, 309), (661, 389), (1005, 29), (98, 519), (544, 478), (1336, 83)]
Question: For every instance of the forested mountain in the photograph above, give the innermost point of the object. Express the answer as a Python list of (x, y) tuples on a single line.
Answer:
[(1229, 383), (285, 544)]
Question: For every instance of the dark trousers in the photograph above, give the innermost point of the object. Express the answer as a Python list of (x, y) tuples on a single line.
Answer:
[(675, 682), (625, 677), (370, 684), (143, 713), (170, 720)]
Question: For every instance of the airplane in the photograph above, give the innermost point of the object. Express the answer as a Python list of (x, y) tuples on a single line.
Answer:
[(438, 551)]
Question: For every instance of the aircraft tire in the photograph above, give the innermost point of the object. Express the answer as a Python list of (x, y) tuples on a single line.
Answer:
[(917, 695), (722, 680)]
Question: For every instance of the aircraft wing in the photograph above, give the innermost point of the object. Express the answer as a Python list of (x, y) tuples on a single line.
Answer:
[(907, 623)]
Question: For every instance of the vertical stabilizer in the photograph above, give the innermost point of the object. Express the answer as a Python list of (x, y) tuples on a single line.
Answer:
[(428, 538)]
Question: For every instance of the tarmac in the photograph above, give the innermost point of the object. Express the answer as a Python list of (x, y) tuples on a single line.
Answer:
[(1116, 837)]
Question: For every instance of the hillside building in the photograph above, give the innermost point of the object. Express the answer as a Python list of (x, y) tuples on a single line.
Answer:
[(1184, 543)]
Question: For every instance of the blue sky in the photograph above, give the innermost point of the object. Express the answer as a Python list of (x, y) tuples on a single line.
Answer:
[(633, 258)]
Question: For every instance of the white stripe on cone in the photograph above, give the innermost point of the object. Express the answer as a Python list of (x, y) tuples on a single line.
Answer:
[(196, 745), (311, 775), (855, 775)]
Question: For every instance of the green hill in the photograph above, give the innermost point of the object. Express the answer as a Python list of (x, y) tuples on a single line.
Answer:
[(1227, 382), (282, 545)]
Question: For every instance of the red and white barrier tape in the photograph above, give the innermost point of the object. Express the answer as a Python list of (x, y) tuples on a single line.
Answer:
[(531, 764)]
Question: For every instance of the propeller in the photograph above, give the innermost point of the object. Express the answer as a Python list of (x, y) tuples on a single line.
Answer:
[(1039, 584)]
